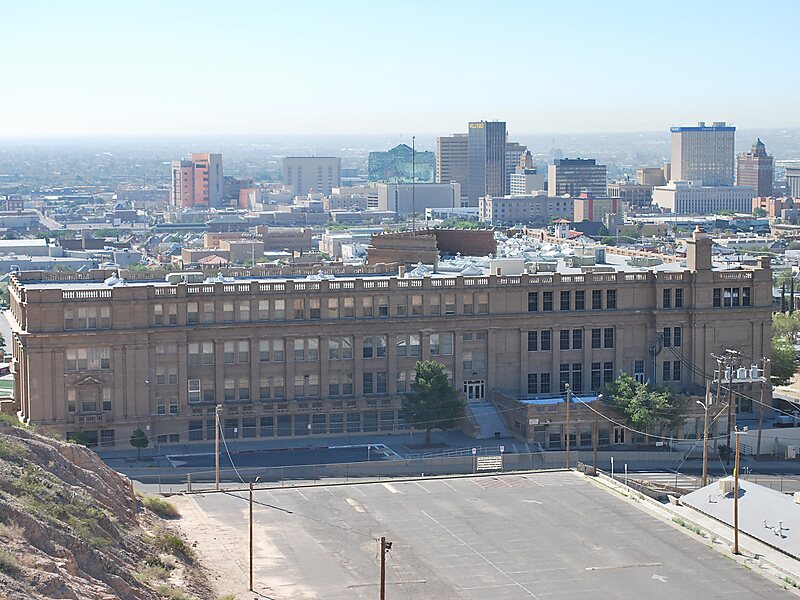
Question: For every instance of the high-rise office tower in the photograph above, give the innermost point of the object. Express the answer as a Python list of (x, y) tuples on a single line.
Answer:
[(755, 169), (575, 175), (196, 181), (486, 160), (703, 154), (514, 152), (793, 181), (317, 174), (451, 160)]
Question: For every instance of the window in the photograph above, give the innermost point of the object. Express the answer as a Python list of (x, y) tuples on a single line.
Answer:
[(383, 306), (230, 389), (88, 359), (577, 377), (467, 361), (746, 296), (608, 337), (314, 310), (596, 337), (597, 299), (580, 300), (366, 306), (533, 383), (727, 297), (533, 301), (676, 370), (401, 307), (533, 341), (608, 372), (596, 376), (544, 340), (244, 311), (435, 305), (547, 301), (667, 298), (367, 383), (416, 305), (679, 298), (435, 344), (208, 312), (402, 381), (401, 347), (227, 312), (348, 307), (563, 376), (483, 303), (263, 310), (449, 304), (468, 305), (279, 310), (666, 336), (106, 393), (638, 370), (717, 297), (380, 382), (666, 371), (565, 300), (299, 349), (299, 308), (677, 337), (243, 347), (564, 339), (340, 348), (544, 383), (447, 344), (191, 313), (577, 339), (414, 344), (229, 353), (333, 308), (611, 299)]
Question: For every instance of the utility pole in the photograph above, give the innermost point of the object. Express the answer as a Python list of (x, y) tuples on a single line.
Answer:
[(736, 495), (731, 410), (706, 407), (596, 434), (569, 401), (765, 362), (251, 536), (720, 365), (216, 446), (385, 547)]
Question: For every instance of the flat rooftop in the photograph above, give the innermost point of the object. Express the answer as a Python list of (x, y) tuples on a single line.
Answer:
[(545, 536)]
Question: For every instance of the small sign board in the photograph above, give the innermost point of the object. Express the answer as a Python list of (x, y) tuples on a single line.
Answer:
[(502, 449), (474, 451)]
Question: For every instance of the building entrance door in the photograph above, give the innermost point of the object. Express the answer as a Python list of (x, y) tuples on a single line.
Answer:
[(619, 435), (475, 390)]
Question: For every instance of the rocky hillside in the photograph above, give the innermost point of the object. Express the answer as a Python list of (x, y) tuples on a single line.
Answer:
[(72, 528)]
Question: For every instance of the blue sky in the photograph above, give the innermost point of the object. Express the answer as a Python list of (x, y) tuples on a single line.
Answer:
[(325, 67)]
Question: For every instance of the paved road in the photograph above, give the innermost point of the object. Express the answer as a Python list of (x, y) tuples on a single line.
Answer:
[(544, 536)]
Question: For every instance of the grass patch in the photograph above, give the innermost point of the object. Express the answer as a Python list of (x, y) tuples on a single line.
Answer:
[(174, 544), (170, 592), (161, 507), (8, 563), (151, 574), (227, 597), (11, 420), (11, 450)]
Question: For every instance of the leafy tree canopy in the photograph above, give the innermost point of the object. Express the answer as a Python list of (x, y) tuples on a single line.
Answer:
[(432, 401)]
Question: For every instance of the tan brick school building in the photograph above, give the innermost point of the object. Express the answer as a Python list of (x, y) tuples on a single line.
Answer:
[(333, 354)]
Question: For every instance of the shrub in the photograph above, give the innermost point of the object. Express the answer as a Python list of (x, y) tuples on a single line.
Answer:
[(161, 507), (151, 573), (174, 544), (8, 563)]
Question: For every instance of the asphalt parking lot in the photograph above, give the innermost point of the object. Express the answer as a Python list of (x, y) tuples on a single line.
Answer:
[(541, 536)]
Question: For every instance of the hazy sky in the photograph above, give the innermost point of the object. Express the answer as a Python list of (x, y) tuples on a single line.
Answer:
[(324, 66)]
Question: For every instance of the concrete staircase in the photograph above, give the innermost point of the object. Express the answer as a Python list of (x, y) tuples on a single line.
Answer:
[(490, 422)]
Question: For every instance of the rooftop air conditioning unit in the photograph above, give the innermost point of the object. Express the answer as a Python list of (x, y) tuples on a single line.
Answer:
[(726, 486)]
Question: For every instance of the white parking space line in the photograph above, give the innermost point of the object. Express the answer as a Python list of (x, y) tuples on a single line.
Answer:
[(391, 488), (302, 495)]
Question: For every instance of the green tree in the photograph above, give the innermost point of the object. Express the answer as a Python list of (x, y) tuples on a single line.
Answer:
[(432, 401), (783, 364), (786, 326), (645, 406), (759, 212), (139, 440)]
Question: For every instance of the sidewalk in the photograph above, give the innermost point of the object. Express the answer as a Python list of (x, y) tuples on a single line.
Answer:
[(754, 554)]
